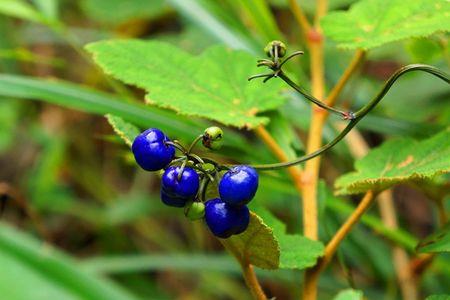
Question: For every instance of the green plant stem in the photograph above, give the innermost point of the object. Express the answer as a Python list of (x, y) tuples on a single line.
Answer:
[(197, 139), (360, 114), (285, 78)]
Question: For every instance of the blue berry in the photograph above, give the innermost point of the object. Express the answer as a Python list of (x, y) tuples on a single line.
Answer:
[(150, 151), (173, 200), (185, 187), (225, 220), (238, 186)]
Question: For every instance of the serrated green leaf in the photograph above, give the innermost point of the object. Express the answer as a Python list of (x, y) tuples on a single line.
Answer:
[(213, 85), (436, 242), (349, 294), (296, 252), (372, 23), (398, 161), (256, 245), (127, 131), (438, 297)]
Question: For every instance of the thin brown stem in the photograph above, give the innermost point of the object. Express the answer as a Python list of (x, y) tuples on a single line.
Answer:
[(247, 271), (321, 10), (400, 258), (294, 171), (401, 261), (342, 232), (312, 275), (357, 59), (252, 282), (300, 16), (311, 173)]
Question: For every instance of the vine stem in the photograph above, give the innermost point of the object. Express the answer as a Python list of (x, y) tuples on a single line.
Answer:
[(247, 271), (197, 139), (311, 174), (294, 171), (310, 286), (252, 282), (360, 114)]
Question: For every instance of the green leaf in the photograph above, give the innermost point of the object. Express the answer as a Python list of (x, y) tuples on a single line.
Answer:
[(213, 85), (436, 242), (20, 9), (259, 17), (119, 11), (128, 132), (372, 23), (424, 50), (48, 8), (349, 294), (9, 120), (205, 14), (88, 100), (438, 297), (33, 270), (296, 252), (398, 161), (160, 262), (256, 245), (44, 184)]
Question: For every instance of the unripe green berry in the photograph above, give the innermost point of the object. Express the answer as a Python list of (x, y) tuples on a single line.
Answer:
[(212, 138), (194, 210), (270, 48)]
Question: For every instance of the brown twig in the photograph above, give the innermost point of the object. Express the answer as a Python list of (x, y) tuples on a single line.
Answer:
[(405, 274), (310, 286), (247, 271)]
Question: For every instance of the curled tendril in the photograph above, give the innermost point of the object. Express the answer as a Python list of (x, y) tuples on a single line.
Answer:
[(275, 63), (360, 114), (354, 118)]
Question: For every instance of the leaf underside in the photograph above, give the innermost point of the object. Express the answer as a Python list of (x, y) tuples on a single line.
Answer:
[(256, 245)]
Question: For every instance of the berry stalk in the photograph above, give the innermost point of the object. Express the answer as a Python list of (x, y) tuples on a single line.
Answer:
[(360, 114)]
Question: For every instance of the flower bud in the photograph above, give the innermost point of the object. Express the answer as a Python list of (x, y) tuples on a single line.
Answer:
[(194, 210), (270, 49), (212, 138)]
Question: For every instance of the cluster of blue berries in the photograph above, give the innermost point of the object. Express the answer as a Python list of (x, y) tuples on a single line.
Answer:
[(185, 180)]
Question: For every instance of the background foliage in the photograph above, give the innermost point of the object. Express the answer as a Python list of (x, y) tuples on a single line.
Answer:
[(80, 221)]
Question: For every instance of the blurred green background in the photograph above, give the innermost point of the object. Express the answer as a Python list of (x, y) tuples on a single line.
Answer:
[(67, 181)]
